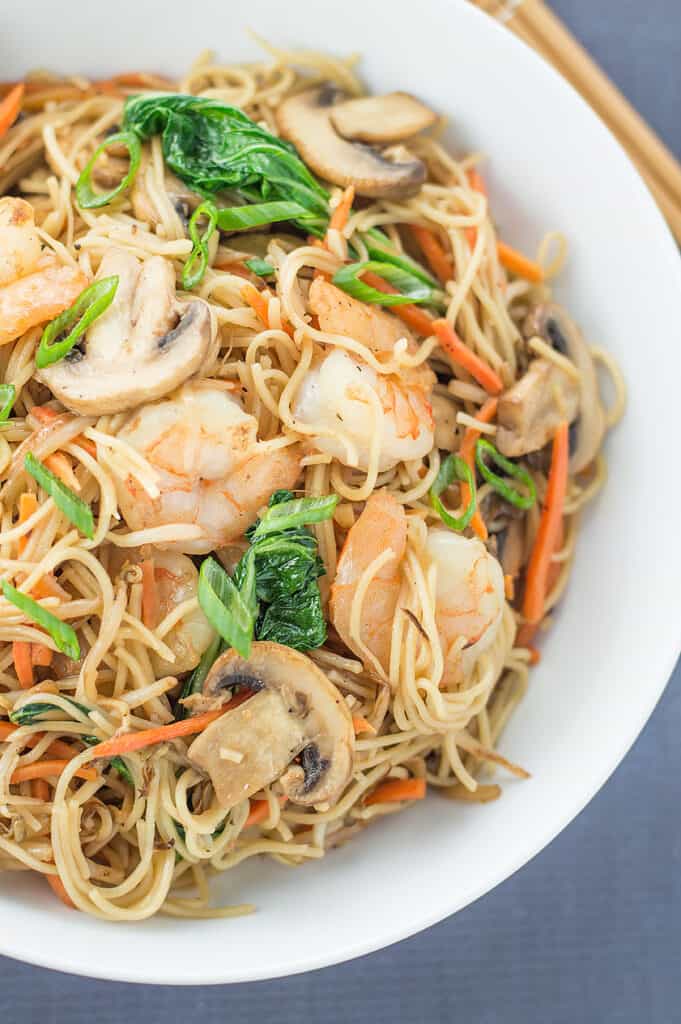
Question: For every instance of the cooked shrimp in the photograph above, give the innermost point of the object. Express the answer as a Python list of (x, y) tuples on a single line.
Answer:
[(349, 401), (469, 597), (33, 288), (177, 580), (211, 469)]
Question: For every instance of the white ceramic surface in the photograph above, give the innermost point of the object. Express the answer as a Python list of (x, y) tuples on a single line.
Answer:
[(552, 165)]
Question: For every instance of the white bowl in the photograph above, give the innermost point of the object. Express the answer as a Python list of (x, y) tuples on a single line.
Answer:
[(552, 164)]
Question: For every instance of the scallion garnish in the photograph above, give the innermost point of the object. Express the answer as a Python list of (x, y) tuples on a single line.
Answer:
[(453, 468), (410, 288), (260, 267), (195, 267), (291, 514), (7, 395), (510, 494), (381, 248), (90, 304), (73, 507), (62, 634), (231, 612), (238, 218), (86, 197)]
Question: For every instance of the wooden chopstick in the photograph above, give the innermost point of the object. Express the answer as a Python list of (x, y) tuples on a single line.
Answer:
[(539, 27)]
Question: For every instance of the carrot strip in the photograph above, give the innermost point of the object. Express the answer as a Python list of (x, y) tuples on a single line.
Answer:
[(41, 655), (259, 811), (257, 301), (339, 217), (28, 504), (40, 789), (149, 594), (57, 748), (10, 108), (58, 888), (550, 525), (465, 357), (23, 663), (467, 452), (45, 769), (44, 414), (509, 587), (86, 444), (60, 464), (518, 264), (131, 741), (361, 725), (476, 181), (47, 586), (409, 313), (394, 790), (439, 261)]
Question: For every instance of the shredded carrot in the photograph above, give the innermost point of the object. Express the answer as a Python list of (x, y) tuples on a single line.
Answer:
[(476, 181), (57, 886), (439, 261), (41, 655), (10, 108), (57, 748), (47, 586), (44, 414), (409, 313), (23, 663), (518, 264), (131, 741), (40, 789), (509, 587), (150, 603), (259, 303), (361, 725), (28, 504), (394, 790), (339, 217), (259, 811), (535, 655), (465, 357), (87, 445), (550, 525), (61, 466), (45, 769), (485, 414)]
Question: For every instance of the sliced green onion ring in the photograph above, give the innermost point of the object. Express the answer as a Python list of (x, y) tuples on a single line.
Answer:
[(73, 507), (509, 493), (297, 512), (454, 468), (86, 197), (197, 263), (229, 613), (260, 267), (380, 248), (7, 395), (90, 304), (62, 634), (411, 289)]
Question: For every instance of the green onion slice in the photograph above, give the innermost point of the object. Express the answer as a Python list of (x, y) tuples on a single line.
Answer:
[(501, 486), (73, 507), (75, 320), (62, 634), (411, 289), (229, 613), (238, 218), (86, 197), (194, 682), (195, 267), (7, 395), (260, 267), (453, 468), (298, 512), (381, 248), (27, 714)]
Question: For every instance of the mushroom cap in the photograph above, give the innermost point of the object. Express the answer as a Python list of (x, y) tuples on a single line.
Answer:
[(552, 323), (382, 119), (305, 119), (295, 711), (142, 347)]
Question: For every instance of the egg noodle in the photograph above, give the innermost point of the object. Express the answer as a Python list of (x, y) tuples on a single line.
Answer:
[(124, 844)]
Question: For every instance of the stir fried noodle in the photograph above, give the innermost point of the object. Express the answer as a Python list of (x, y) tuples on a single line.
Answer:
[(178, 694)]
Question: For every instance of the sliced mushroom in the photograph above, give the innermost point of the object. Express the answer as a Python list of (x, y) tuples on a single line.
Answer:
[(552, 323), (305, 119), (444, 417), (143, 346), (382, 119), (529, 413), (295, 714)]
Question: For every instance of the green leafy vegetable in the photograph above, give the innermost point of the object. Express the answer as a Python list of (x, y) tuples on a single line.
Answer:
[(90, 304), (381, 248), (195, 267), (260, 267), (287, 515), (29, 713), (62, 634), (7, 395), (86, 197), (229, 612), (73, 507), (194, 682), (214, 147), (453, 468), (410, 287), (507, 492)]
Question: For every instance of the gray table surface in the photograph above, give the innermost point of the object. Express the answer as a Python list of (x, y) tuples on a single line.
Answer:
[(590, 930)]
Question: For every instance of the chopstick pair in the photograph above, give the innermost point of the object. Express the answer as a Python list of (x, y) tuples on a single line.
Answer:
[(534, 23)]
